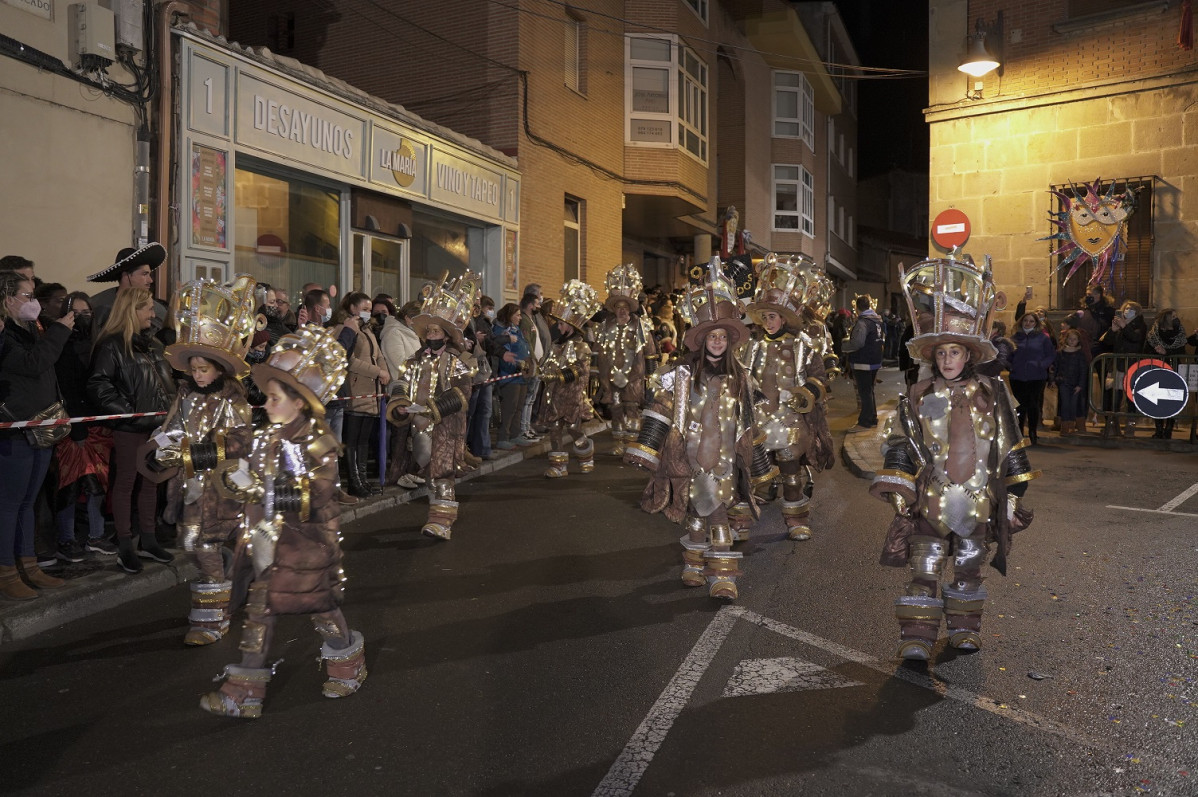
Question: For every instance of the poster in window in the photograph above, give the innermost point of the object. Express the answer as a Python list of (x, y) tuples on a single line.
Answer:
[(512, 278), (208, 199)]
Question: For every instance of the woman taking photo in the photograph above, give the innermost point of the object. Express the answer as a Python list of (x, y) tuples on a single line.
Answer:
[(368, 373), (28, 386), (129, 374)]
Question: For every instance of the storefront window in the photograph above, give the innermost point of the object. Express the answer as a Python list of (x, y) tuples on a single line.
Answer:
[(438, 245), (288, 232)]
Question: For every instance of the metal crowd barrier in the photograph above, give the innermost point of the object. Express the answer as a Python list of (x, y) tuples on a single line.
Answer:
[(1109, 402)]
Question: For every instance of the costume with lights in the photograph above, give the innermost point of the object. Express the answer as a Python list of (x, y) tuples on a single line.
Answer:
[(955, 465), (432, 392), (216, 323), (788, 369), (697, 440), (625, 349), (565, 369), (288, 555)]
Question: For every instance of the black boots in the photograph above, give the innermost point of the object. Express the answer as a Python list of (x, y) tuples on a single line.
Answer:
[(360, 484)]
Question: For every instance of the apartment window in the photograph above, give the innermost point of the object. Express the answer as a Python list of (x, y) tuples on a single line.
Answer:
[(794, 199), (280, 32), (667, 95), (575, 54), (808, 202), (699, 7), (794, 107), (572, 236)]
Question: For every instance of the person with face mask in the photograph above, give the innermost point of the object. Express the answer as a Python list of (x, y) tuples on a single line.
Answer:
[(28, 385), (368, 374), (1168, 339), (485, 353), (431, 395), (1034, 355), (1127, 336), (273, 311)]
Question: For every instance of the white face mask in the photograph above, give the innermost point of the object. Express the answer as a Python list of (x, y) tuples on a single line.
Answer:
[(1028, 327), (490, 314), (30, 310), (365, 316), (1129, 314), (328, 315)]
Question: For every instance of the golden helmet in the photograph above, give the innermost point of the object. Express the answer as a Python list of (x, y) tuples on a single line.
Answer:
[(448, 304), (710, 305), (310, 361), (624, 284), (216, 322), (578, 303), (951, 301)]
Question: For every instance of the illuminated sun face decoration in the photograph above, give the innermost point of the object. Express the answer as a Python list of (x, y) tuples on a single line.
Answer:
[(1091, 225)]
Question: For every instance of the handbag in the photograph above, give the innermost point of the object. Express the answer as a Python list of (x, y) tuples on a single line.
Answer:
[(42, 436)]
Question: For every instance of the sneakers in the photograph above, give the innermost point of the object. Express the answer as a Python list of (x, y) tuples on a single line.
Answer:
[(101, 546), (69, 551), (505, 445), (127, 557), (407, 482), (529, 439), (150, 549), (48, 560)]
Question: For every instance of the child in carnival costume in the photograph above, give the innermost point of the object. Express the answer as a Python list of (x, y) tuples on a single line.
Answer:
[(288, 556), (215, 327), (626, 346), (565, 370), (787, 366), (432, 392), (955, 465), (697, 439)]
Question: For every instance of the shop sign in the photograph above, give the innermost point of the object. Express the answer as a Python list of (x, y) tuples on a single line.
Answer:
[(42, 8), (466, 185), (287, 124), (398, 160)]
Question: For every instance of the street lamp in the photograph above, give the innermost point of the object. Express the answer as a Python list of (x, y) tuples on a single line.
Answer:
[(979, 60)]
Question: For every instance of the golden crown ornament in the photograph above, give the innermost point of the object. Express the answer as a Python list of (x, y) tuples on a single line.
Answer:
[(578, 304), (448, 304), (784, 285), (951, 301), (624, 284), (310, 361), (216, 322), (712, 304)]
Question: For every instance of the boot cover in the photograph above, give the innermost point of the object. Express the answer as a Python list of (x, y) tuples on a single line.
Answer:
[(620, 442), (558, 460), (919, 625), (209, 616), (722, 569), (12, 587), (584, 449), (441, 516), (35, 577), (692, 562), (794, 515), (241, 694), (740, 520), (963, 616), (346, 668)]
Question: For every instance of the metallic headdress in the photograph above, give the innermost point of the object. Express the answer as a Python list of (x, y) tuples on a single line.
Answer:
[(624, 284), (951, 301), (309, 361), (784, 285), (216, 322), (578, 303), (448, 305), (710, 305)]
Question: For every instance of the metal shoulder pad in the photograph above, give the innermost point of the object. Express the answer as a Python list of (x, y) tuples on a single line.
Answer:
[(323, 442)]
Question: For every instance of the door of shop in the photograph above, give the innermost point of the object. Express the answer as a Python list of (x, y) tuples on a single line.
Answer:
[(381, 266)]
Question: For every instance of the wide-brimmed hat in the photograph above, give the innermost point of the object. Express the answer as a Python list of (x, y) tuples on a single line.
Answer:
[(712, 305), (448, 305), (310, 361), (578, 304), (951, 301), (128, 259), (783, 287), (624, 284), (216, 322)]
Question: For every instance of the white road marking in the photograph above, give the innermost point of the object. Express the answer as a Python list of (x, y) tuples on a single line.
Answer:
[(1179, 500), (767, 676), (1153, 511), (1167, 507), (621, 780)]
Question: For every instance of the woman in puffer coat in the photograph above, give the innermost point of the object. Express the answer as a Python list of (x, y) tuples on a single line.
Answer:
[(1034, 355), (129, 374)]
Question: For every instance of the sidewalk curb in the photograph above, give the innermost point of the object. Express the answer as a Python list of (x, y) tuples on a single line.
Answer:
[(861, 451), (103, 590)]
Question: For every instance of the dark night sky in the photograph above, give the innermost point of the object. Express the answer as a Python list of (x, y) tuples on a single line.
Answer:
[(891, 130)]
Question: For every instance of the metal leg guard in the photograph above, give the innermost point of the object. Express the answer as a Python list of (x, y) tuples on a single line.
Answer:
[(721, 571), (794, 515), (241, 694), (740, 520), (584, 449), (209, 615), (919, 625), (692, 561), (441, 516), (189, 536), (346, 668), (558, 460), (963, 616)]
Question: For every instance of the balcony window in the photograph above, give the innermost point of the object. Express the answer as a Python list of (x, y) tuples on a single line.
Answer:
[(794, 107), (666, 99), (794, 200)]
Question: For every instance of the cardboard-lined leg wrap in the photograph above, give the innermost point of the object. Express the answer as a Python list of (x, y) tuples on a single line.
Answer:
[(919, 625), (241, 694), (558, 462), (442, 512), (346, 667), (963, 616), (584, 449), (795, 515), (209, 616), (722, 568), (692, 561), (740, 520)]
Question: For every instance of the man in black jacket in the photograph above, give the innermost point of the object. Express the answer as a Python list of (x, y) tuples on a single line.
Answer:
[(864, 350)]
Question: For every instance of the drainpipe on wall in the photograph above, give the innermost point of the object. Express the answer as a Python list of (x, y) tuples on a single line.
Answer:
[(165, 120), (141, 189)]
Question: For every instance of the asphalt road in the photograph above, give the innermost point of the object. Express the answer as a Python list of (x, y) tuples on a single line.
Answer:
[(550, 649)]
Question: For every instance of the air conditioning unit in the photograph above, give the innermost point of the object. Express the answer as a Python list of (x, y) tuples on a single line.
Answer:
[(130, 24), (91, 36)]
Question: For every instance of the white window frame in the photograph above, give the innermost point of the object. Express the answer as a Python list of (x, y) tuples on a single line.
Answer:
[(572, 227), (803, 184), (699, 7), (573, 54), (805, 103), (687, 114), (807, 202)]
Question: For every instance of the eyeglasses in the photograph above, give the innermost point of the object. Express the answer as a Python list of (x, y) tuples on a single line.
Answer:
[(27, 296)]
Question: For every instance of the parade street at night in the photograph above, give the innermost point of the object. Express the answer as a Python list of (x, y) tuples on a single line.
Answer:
[(550, 649)]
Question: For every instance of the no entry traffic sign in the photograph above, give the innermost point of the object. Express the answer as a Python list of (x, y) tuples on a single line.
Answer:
[(1159, 392), (951, 228), (1130, 376)]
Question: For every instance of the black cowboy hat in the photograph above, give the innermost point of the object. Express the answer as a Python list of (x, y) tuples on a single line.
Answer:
[(128, 259)]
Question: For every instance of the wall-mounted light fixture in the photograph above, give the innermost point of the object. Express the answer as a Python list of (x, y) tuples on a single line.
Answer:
[(984, 52)]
